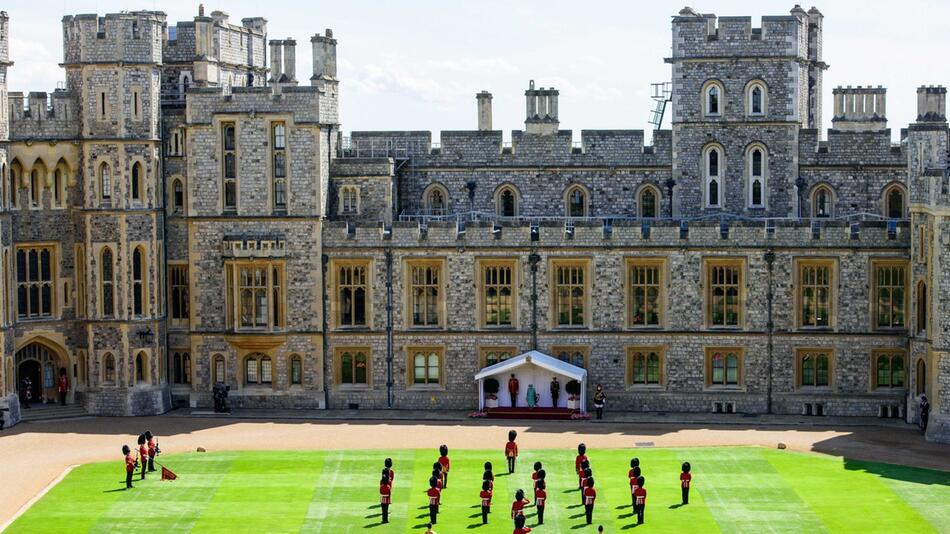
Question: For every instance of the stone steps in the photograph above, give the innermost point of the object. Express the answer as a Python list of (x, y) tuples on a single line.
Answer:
[(49, 413)]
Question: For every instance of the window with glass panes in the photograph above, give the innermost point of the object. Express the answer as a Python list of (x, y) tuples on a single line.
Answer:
[(890, 294), (814, 368), (815, 293), (178, 293), (258, 369), (296, 370), (107, 279), (498, 294), (889, 369), (576, 356), (352, 294), (34, 276), (354, 366), (138, 287), (424, 293), (646, 293), (570, 294), (493, 355), (254, 295), (181, 367), (426, 366), (349, 200), (279, 162), (724, 293), (646, 364), (723, 367), (229, 165)]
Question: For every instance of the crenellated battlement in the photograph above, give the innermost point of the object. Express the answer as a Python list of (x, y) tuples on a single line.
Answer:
[(43, 115), (128, 37), (698, 35), (302, 102)]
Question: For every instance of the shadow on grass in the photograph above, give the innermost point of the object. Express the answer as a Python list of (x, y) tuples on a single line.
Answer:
[(374, 525), (899, 472), (117, 489), (477, 525), (370, 516), (675, 506), (631, 525)]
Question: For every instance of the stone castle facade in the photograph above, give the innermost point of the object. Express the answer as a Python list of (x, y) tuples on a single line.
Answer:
[(184, 212)]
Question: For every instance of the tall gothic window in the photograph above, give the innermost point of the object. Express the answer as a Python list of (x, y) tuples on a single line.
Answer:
[(894, 202), (507, 203), (576, 200), (724, 293), (570, 294), (712, 99), (890, 294), (137, 178), (178, 197), (757, 165), (179, 294), (498, 294), (279, 139), (424, 289), (822, 202), (353, 289), (756, 99), (107, 279), (815, 286), (34, 276), (105, 183), (138, 286), (229, 170), (435, 202), (713, 168)]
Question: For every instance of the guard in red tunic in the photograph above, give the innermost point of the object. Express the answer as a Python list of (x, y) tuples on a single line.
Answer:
[(634, 475), (578, 460), (519, 526), (517, 507), (685, 480), (590, 495), (143, 453), (130, 464), (485, 496), (437, 475), (586, 477), (511, 451), (513, 390), (534, 476), (641, 496), (489, 475), (153, 450), (445, 463), (435, 495), (385, 497), (388, 464), (540, 495)]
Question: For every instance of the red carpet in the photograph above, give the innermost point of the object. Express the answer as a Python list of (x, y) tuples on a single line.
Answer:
[(530, 413)]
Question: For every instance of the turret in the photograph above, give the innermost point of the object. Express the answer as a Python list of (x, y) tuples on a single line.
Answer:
[(541, 110)]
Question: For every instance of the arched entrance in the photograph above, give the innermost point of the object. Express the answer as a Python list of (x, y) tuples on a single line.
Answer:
[(41, 365)]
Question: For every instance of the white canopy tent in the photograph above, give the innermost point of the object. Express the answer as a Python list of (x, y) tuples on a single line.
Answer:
[(530, 364)]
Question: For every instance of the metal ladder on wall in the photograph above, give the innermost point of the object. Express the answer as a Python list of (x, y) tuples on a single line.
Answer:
[(662, 95)]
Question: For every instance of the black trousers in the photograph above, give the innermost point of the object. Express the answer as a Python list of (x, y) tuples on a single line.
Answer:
[(514, 399), (923, 420), (445, 479), (589, 512), (128, 479), (62, 398), (640, 514), (686, 495), (385, 508), (151, 463), (540, 515), (554, 397), (511, 464), (600, 411), (485, 510), (433, 513), (144, 467)]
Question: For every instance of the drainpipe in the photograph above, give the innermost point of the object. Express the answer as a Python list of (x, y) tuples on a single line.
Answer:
[(533, 260), (324, 265), (800, 184), (770, 326), (670, 184), (389, 328)]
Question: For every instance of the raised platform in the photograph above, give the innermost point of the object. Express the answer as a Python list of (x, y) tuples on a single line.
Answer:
[(559, 414)]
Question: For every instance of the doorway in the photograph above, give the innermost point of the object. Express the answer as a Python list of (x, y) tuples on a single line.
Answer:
[(29, 369)]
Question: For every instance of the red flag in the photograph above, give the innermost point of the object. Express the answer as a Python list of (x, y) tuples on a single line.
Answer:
[(167, 474)]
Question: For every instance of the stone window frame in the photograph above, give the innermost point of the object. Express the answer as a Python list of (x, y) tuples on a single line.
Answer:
[(179, 271), (805, 262), (572, 349), (873, 301), (484, 350), (706, 102), (217, 377), (483, 263), (886, 201), (889, 354), (831, 200), (920, 376), (181, 367), (335, 289), (708, 368), (137, 113), (105, 179), (585, 192), (176, 142), (630, 352), (232, 274), (657, 196), (179, 180), (107, 358), (800, 354), (921, 318), (138, 192), (4, 184), (295, 359), (427, 200), (338, 366), (711, 262), (229, 181), (103, 107), (110, 283), (516, 198), (276, 180), (82, 375), (409, 264), (662, 265), (258, 358), (753, 84), (15, 180), (142, 282), (762, 177), (922, 242), (145, 369), (554, 263), (708, 178), (39, 173), (60, 186), (80, 273), (52, 248), (426, 350), (343, 202)]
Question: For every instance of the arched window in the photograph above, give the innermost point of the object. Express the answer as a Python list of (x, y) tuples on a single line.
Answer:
[(894, 202), (814, 369), (35, 187), (108, 368), (107, 279), (16, 171), (296, 370), (178, 196), (137, 181), (755, 98), (646, 367), (426, 368), (138, 288), (713, 166), (822, 202), (141, 368), (575, 201), (649, 202), (181, 364), (725, 368), (506, 202), (218, 369), (921, 307), (57, 187), (258, 369), (4, 180), (889, 367), (105, 182), (435, 201), (921, 379), (353, 366), (757, 169), (712, 99), (349, 200)]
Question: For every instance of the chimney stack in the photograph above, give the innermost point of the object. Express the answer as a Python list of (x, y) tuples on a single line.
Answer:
[(932, 104), (541, 107), (290, 61), (276, 63), (324, 57), (484, 110)]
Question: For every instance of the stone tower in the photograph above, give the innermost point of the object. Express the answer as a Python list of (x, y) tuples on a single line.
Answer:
[(7, 374), (113, 66)]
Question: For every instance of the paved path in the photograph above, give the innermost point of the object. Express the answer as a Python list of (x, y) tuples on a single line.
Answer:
[(34, 454)]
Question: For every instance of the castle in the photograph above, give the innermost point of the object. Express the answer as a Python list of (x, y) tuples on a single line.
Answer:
[(184, 213)]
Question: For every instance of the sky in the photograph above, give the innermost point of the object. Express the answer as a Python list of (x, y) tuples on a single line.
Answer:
[(417, 64)]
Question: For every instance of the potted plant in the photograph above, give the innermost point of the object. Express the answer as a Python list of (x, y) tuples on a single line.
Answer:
[(573, 389), (490, 386)]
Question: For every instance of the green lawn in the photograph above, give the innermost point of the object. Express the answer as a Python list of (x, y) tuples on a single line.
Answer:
[(735, 490)]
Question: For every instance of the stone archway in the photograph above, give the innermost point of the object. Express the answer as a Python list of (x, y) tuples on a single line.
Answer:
[(41, 364)]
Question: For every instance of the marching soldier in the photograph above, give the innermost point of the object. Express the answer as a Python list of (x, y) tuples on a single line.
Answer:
[(130, 464), (540, 495), (511, 451), (519, 526), (153, 450), (685, 480), (143, 454), (489, 476), (517, 507), (585, 479), (444, 462), (534, 476), (435, 495), (388, 463), (590, 495), (578, 460), (485, 496), (385, 495), (641, 496), (634, 484), (437, 475)]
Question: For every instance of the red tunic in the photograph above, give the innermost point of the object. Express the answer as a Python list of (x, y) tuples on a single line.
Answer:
[(129, 463), (633, 486), (385, 494), (524, 530), (534, 476), (590, 494), (151, 448), (685, 479), (63, 384), (486, 497), (517, 508), (511, 449), (540, 495), (630, 474), (434, 494), (578, 461), (143, 452), (444, 462), (392, 476), (641, 495)]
